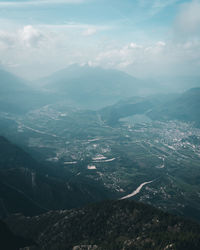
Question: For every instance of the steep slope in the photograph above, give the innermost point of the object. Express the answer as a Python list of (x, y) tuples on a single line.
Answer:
[(18, 97), (109, 225), (9, 241), (10, 83), (31, 188), (93, 87), (12, 156)]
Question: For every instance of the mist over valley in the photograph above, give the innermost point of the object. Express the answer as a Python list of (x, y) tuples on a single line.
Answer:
[(99, 125)]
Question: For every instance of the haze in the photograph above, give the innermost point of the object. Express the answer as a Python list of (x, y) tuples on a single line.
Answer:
[(147, 39)]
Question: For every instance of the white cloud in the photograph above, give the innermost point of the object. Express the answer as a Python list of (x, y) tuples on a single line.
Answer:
[(39, 50), (47, 36), (187, 24), (39, 2), (7, 40), (30, 37), (161, 43), (89, 31), (134, 46), (44, 48), (125, 56), (160, 4), (83, 28), (156, 59), (155, 6)]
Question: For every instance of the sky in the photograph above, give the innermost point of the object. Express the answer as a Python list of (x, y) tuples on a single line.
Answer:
[(146, 38)]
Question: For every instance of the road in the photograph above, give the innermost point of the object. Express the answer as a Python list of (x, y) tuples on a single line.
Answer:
[(136, 191)]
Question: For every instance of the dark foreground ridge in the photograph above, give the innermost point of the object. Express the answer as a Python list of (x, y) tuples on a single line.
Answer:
[(108, 225), (9, 241)]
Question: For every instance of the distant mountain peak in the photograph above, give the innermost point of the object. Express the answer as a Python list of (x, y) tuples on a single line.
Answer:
[(92, 87)]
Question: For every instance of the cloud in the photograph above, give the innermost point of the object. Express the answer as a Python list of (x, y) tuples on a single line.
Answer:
[(39, 2), (46, 35), (89, 31), (151, 60), (134, 46), (43, 48), (129, 55), (156, 6), (7, 40), (39, 50), (30, 37), (161, 43), (160, 4), (187, 23)]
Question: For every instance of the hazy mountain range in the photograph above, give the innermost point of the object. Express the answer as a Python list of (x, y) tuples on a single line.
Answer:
[(184, 107), (64, 143), (90, 87), (94, 88), (17, 96)]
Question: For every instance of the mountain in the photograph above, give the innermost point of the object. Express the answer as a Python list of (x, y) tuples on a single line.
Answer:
[(133, 106), (31, 188), (12, 156), (179, 83), (17, 96), (93, 87), (10, 83), (12, 92), (108, 225), (185, 108)]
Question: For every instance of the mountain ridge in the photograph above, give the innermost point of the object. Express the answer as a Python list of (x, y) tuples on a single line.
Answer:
[(109, 225)]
